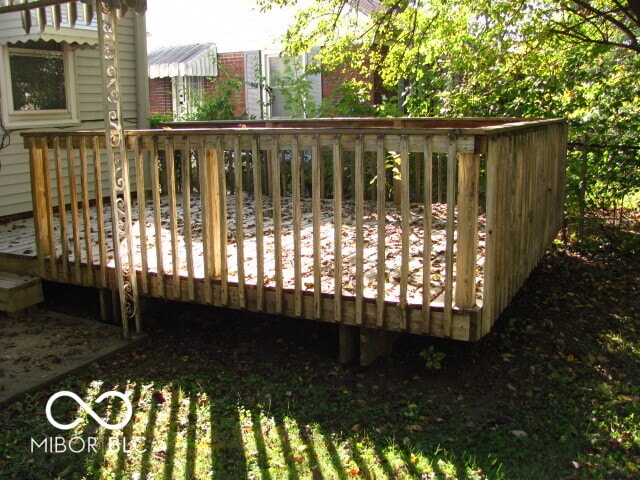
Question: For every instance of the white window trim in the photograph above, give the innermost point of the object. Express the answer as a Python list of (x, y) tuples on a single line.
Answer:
[(39, 118)]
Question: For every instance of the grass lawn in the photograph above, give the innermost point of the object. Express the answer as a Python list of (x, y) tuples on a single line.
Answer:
[(552, 393)]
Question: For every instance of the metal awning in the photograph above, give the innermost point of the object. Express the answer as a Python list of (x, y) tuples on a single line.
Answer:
[(196, 60), (49, 12)]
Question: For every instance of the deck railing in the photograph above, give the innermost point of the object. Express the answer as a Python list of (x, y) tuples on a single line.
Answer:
[(330, 221)]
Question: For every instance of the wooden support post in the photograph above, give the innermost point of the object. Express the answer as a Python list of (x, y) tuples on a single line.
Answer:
[(211, 209), (375, 343), (39, 195), (371, 343), (468, 186), (349, 337)]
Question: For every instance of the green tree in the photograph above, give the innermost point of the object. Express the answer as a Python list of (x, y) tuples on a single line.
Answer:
[(578, 59)]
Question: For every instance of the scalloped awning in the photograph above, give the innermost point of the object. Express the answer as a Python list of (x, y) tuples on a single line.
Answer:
[(50, 13), (72, 22)]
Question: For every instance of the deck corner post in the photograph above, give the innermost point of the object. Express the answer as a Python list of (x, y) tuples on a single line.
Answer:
[(41, 197), (348, 338), (466, 261)]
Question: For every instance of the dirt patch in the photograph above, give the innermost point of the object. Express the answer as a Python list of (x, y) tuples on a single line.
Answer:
[(40, 348)]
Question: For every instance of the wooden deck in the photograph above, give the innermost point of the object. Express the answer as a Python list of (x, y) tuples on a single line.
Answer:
[(18, 238), (343, 220)]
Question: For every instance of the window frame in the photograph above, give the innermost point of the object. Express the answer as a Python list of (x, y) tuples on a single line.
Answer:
[(39, 118)]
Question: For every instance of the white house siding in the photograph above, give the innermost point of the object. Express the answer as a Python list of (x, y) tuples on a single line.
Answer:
[(15, 185)]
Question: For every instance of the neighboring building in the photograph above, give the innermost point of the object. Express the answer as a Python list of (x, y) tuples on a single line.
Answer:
[(53, 79), (248, 44)]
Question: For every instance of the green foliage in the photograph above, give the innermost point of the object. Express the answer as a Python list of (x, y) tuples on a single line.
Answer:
[(219, 104), (295, 87), (157, 119), (578, 60), (432, 358)]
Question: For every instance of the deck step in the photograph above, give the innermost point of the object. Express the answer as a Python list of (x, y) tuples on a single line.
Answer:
[(19, 292)]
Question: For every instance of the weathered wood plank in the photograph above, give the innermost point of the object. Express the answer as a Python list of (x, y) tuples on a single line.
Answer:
[(427, 246), (359, 214), (381, 183), (297, 207), (237, 159), (186, 214), (317, 190), (405, 182), (259, 216), (73, 199), (337, 227), (157, 219), (86, 218), (62, 202), (451, 225), (468, 191)]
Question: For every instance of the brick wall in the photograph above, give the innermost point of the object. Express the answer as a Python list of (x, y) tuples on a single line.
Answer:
[(230, 65), (160, 96)]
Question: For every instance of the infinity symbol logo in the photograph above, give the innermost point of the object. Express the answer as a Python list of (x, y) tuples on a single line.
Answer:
[(88, 409)]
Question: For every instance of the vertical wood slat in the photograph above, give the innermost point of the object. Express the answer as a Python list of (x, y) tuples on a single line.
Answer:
[(405, 215), (186, 215), (40, 196), (427, 244), (297, 215), (277, 222), (102, 244), (47, 186), (157, 219), (382, 215), (84, 177), (204, 185), (222, 215), (237, 159), (468, 190), (359, 212), (450, 235), (337, 228), (73, 199), (317, 180), (173, 215), (257, 189), (62, 211), (142, 215)]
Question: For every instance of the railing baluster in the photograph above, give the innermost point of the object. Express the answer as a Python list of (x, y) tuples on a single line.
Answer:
[(237, 153), (73, 199), (102, 245), (186, 216), (50, 218), (381, 273), (427, 245), (142, 215), (337, 228), (317, 181), (257, 189), (157, 213), (405, 215), (296, 203), (450, 233), (222, 215), (173, 215), (86, 210), (359, 201), (277, 221), (62, 210), (206, 212)]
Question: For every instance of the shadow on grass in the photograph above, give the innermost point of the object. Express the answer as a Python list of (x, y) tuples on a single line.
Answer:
[(550, 393)]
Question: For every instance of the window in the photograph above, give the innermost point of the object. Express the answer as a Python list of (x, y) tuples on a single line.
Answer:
[(37, 85)]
